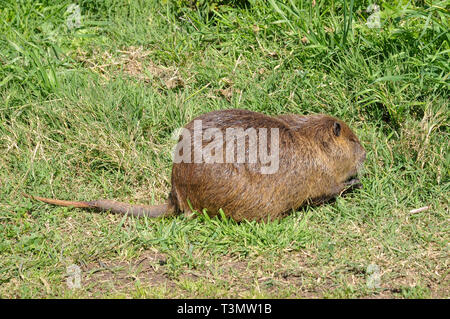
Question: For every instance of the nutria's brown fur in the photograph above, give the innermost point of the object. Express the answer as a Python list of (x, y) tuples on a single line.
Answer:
[(318, 156)]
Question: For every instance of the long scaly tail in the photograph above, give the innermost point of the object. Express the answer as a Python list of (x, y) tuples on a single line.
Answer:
[(112, 206)]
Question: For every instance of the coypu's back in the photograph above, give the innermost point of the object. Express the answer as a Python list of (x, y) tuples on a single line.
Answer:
[(317, 155)]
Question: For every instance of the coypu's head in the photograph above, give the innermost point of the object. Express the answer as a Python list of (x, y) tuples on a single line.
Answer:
[(340, 147), (343, 147)]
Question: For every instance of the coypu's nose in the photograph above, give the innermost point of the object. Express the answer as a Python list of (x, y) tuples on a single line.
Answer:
[(361, 151)]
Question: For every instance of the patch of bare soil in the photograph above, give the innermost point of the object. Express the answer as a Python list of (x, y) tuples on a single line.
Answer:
[(229, 90), (294, 275), (133, 61), (121, 276)]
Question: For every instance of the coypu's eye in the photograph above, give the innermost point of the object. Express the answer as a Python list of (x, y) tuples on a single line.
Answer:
[(337, 128)]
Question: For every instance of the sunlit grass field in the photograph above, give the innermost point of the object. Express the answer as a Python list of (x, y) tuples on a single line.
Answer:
[(90, 103)]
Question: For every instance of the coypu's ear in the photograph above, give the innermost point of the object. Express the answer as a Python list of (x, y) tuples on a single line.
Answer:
[(336, 128)]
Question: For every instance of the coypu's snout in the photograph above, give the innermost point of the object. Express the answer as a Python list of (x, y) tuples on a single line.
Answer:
[(360, 164), (363, 156), (359, 156), (353, 181)]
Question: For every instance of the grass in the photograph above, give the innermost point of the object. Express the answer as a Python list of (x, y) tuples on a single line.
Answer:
[(90, 112)]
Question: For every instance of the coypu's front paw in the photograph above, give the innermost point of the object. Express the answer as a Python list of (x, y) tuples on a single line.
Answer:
[(353, 183)]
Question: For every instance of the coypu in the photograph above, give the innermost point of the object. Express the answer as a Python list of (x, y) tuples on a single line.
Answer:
[(318, 158)]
